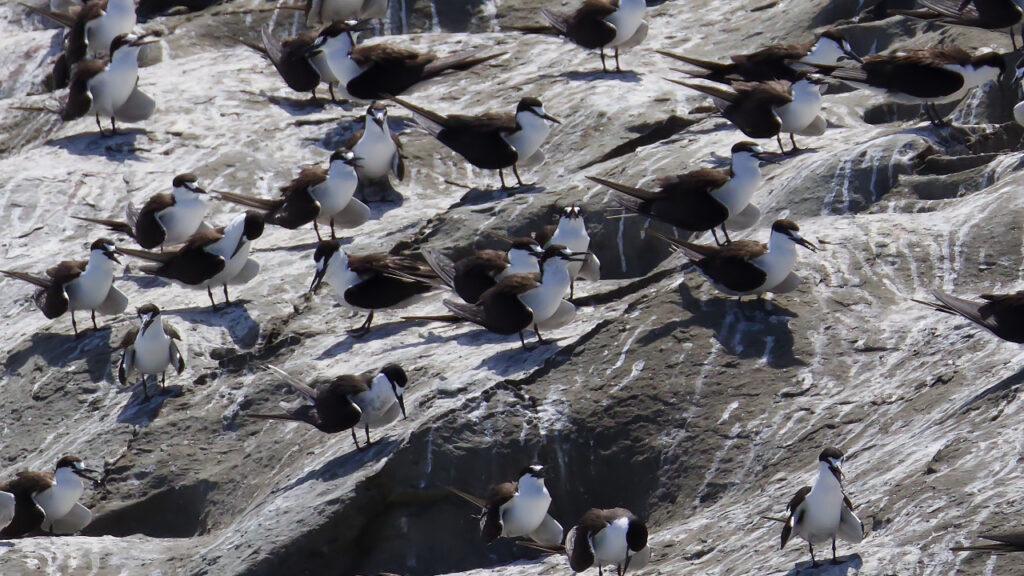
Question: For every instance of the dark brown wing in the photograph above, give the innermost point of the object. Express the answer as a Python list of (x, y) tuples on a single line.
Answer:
[(76, 47), (28, 516), (917, 73), (290, 57), (794, 503), (588, 27), (354, 139), (171, 331), (385, 263), (129, 338), (475, 274), (1001, 314), (148, 231), (491, 524), (66, 271), (387, 70), (334, 407), (545, 234), (79, 99)]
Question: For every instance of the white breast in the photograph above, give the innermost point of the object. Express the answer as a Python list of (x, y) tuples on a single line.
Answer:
[(572, 233), (610, 544), (337, 190), (735, 195), (341, 278), (545, 299), (182, 220), (626, 20), (57, 500), (119, 18), (804, 108), (375, 150), (524, 512), (777, 263), (378, 403), (90, 289), (533, 133), (6, 509), (822, 509), (111, 88), (152, 350)]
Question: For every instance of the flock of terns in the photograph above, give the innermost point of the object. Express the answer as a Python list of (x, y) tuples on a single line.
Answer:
[(765, 94)]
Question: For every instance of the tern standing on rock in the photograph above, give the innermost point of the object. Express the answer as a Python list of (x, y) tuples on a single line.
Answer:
[(150, 349), (49, 502), (601, 24), (516, 509), (571, 232)]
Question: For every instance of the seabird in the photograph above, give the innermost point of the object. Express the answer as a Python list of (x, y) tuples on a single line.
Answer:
[(516, 509), (703, 199), (377, 147), (745, 267), (321, 11), (773, 62), (109, 88), (985, 14), (342, 403), (1000, 314), (150, 349), (491, 141), (378, 71), (92, 27), (1018, 109), (317, 195), (301, 60), (766, 109), (79, 285), (602, 537), (520, 301), (1001, 543), (571, 232), (166, 218), (928, 77), (216, 257), (7, 507), (370, 281), (823, 512), (49, 502), (600, 24), (475, 274)]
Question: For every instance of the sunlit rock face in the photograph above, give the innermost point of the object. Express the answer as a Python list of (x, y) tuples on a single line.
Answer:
[(662, 396)]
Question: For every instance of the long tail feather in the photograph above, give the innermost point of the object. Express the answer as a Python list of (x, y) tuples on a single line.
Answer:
[(244, 200), (467, 497), (115, 225), (705, 64), (66, 20), (41, 282), (639, 193), (161, 257), (542, 547), (299, 385), (460, 61)]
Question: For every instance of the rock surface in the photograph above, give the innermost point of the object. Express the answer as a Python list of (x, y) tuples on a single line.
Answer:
[(663, 396)]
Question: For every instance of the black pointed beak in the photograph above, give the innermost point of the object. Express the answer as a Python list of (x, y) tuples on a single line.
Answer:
[(87, 474), (318, 279), (199, 190), (805, 243), (853, 56), (551, 118), (401, 404), (112, 254)]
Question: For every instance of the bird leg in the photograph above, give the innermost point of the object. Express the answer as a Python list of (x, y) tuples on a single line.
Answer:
[(209, 292), (572, 289), (522, 339), (145, 388), (330, 88), (501, 174), (100, 126), (363, 328), (778, 139), (813, 561), (715, 234), (1013, 39), (518, 179), (113, 126), (367, 434), (603, 67), (94, 326), (354, 439), (796, 148), (333, 236), (74, 325), (227, 299), (726, 232), (314, 99), (617, 67), (163, 383), (316, 228), (834, 560), (537, 332)]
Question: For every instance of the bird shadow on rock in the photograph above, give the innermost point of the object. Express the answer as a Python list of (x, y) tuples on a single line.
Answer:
[(377, 332), (344, 464), (747, 330), (141, 411), (234, 318), (120, 147), (1011, 381), (476, 196), (302, 106), (380, 195), (59, 350), (843, 567), (582, 76)]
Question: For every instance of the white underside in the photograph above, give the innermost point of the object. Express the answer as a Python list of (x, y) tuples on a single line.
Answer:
[(6, 509), (111, 88), (804, 108), (524, 513), (182, 220), (152, 350), (526, 141), (90, 289), (57, 500), (379, 405), (1018, 113), (545, 299), (821, 509), (118, 19), (334, 193), (571, 233), (626, 20), (376, 151), (610, 543)]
